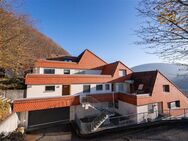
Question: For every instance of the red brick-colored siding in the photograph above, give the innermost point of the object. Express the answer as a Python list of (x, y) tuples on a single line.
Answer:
[(165, 97), (128, 98)]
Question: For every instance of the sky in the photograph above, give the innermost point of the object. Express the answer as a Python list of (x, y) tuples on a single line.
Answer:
[(106, 27)]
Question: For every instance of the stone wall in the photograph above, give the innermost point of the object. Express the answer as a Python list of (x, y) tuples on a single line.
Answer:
[(13, 94)]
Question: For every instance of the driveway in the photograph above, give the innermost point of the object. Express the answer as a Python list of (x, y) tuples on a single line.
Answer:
[(171, 132)]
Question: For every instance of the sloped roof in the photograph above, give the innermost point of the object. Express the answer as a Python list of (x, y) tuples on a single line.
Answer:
[(86, 60), (65, 79), (112, 68), (109, 69), (147, 78)]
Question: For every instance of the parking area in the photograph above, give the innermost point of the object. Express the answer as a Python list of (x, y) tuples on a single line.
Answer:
[(167, 132)]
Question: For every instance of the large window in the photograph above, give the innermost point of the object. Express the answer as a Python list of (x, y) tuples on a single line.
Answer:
[(86, 89), (50, 88), (107, 87), (166, 88), (99, 87), (66, 71), (49, 71), (174, 104)]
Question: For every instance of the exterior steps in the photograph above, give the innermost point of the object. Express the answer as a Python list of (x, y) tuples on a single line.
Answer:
[(96, 123)]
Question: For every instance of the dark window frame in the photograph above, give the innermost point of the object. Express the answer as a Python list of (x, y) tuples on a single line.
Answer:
[(49, 71), (166, 88), (177, 104), (68, 71), (107, 87), (49, 88), (86, 90), (99, 87)]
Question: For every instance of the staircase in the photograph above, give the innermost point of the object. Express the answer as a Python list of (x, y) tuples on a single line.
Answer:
[(91, 102), (98, 121)]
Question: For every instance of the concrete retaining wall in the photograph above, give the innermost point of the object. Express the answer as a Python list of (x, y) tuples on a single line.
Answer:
[(13, 94), (9, 124)]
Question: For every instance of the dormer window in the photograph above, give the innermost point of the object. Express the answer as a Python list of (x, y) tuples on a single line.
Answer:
[(122, 73)]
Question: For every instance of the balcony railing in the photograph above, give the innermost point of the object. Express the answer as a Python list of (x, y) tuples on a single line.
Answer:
[(134, 119)]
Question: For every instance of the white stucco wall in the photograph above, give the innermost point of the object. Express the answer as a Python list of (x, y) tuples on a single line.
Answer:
[(144, 114), (77, 89), (9, 124), (140, 113), (72, 71), (81, 112), (34, 91), (126, 108)]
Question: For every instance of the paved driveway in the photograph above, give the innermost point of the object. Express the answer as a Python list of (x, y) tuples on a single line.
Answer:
[(171, 132)]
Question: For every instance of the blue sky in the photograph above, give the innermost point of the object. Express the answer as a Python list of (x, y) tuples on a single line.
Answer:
[(105, 27)]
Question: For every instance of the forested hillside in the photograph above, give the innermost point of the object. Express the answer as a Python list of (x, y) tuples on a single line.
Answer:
[(20, 43)]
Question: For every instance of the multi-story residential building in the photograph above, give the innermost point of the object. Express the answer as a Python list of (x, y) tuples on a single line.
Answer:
[(95, 94)]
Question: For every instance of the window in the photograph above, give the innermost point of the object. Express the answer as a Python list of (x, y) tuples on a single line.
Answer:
[(99, 87), (174, 104), (116, 104), (166, 88), (107, 86), (66, 71), (122, 72), (120, 87), (49, 88), (86, 89), (49, 71), (151, 108)]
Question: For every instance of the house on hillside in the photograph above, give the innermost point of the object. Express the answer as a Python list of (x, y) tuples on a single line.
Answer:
[(95, 95)]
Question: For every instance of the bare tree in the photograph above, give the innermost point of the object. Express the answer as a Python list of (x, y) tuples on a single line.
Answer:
[(165, 28)]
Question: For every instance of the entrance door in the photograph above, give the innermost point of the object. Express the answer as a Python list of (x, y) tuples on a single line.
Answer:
[(66, 90)]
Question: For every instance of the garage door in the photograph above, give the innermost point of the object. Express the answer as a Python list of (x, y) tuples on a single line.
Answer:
[(48, 117)]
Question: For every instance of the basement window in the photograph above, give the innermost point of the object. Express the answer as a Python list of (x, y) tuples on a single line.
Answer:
[(86, 88), (99, 87), (174, 104), (50, 88), (49, 71), (166, 88)]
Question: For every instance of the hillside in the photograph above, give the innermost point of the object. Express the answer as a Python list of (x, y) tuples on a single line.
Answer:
[(21, 44)]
